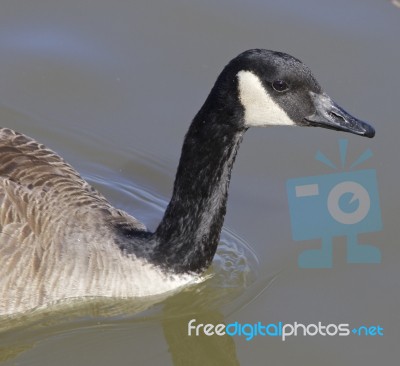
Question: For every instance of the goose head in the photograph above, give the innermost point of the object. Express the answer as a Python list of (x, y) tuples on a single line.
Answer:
[(274, 88), (256, 88)]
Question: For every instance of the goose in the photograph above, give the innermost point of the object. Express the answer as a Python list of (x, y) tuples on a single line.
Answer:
[(60, 238)]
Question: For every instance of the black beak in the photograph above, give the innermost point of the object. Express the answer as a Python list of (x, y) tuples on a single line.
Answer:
[(329, 115)]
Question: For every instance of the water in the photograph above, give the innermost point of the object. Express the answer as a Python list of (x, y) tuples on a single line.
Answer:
[(112, 87)]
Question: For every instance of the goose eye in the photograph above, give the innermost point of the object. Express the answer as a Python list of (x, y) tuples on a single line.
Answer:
[(280, 85)]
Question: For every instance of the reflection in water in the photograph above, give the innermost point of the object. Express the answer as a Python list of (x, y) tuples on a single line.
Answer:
[(195, 350), (203, 302), (208, 306)]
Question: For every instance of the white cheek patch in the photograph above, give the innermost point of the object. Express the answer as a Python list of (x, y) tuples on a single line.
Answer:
[(259, 107)]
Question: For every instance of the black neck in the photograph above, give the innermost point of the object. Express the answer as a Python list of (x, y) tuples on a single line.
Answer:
[(188, 235)]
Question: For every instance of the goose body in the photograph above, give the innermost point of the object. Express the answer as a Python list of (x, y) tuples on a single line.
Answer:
[(60, 238)]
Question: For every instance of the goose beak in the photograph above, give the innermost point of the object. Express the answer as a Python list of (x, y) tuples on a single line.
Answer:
[(329, 115)]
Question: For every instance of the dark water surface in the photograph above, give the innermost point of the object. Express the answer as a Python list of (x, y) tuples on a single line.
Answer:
[(113, 86)]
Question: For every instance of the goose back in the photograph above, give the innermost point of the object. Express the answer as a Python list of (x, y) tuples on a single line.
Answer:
[(56, 236)]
